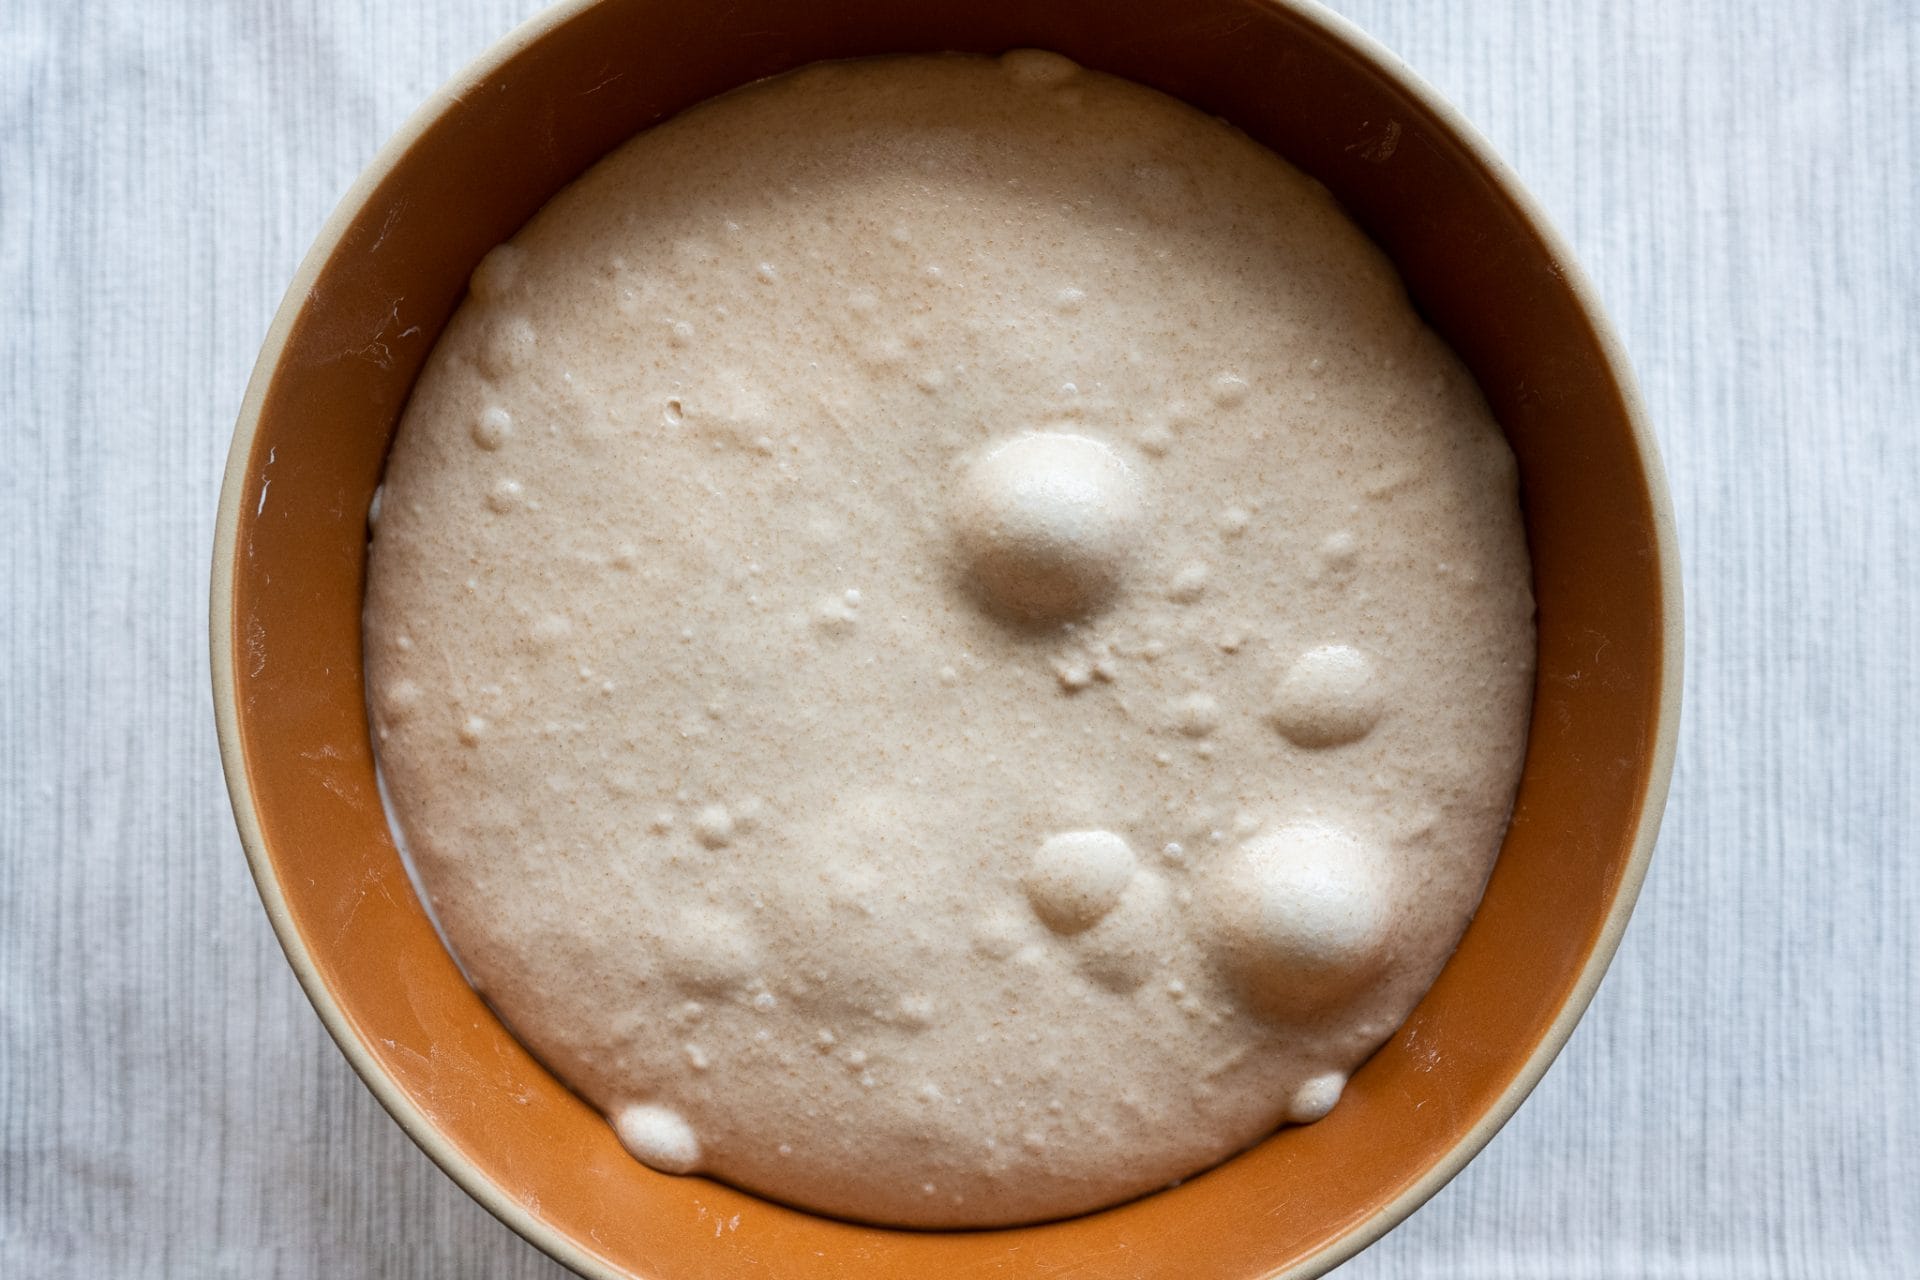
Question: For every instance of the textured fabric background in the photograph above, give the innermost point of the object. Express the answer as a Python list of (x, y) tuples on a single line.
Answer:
[(1739, 178)]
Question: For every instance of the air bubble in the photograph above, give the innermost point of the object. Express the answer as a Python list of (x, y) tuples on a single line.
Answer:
[(713, 826), (1196, 714), (505, 496), (1038, 68), (498, 274), (1047, 522), (492, 428), (508, 345), (1120, 952), (1228, 390), (1328, 698), (659, 1138), (1300, 918), (1338, 550), (1189, 584), (1077, 877), (402, 697), (1316, 1097)]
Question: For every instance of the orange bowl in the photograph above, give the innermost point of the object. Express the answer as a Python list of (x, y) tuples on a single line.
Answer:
[(290, 562)]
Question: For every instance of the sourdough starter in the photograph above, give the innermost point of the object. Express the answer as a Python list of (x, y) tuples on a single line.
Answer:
[(950, 649)]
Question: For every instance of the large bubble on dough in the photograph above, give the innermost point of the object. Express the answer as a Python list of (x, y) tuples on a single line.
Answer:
[(1046, 523), (1300, 918)]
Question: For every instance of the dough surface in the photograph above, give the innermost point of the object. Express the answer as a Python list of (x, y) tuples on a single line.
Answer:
[(949, 648)]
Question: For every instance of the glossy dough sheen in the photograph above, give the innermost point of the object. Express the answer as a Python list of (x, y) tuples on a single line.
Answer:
[(949, 648)]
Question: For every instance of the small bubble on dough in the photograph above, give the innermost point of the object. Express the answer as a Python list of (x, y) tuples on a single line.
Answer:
[(498, 273), (1330, 696), (711, 952), (713, 826), (1078, 877), (998, 937), (509, 345), (402, 696), (1073, 676), (1046, 523), (659, 1138), (1038, 68), (836, 615), (1228, 390), (1300, 917), (1339, 550), (491, 429), (1315, 1097), (505, 496), (1123, 949), (1196, 715), (1189, 584)]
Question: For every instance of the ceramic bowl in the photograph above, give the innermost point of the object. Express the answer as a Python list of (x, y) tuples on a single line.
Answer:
[(290, 565)]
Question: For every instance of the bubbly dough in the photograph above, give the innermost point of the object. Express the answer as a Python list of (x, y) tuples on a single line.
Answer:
[(949, 648)]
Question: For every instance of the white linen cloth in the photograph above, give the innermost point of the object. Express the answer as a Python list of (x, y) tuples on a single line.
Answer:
[(1740, 180)]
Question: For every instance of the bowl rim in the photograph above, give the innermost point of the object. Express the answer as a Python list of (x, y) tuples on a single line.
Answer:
[(555, 1243)]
